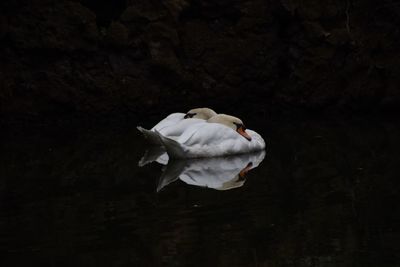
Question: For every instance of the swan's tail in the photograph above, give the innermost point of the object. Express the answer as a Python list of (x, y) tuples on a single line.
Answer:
[(174, 149), (151, 136)]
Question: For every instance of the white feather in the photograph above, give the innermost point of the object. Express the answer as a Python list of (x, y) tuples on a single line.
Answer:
[(205, 139)]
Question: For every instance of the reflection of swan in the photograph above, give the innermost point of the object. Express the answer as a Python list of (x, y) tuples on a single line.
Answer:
[(174, 124), (221, 135), (221, 173), (154, 153)]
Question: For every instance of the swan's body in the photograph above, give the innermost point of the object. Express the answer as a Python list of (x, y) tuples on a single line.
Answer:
[(176, 123), (212, 138)]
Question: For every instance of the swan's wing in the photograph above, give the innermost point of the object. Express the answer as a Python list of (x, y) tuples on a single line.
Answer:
[(171, 119), (208, 134), (213, 139), (205, 133), (177, 129), (206, 139)]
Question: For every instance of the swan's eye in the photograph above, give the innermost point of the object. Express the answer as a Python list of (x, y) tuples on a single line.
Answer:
[(189, 115)]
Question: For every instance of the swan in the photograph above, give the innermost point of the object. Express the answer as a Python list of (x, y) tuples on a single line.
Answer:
[(174, 124), (218, 136), (221, 173)]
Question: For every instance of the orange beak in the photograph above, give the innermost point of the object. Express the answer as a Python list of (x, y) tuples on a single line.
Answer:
[(243, 133)]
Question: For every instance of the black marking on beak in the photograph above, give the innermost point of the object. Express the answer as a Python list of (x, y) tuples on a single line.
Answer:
[(189, 115)]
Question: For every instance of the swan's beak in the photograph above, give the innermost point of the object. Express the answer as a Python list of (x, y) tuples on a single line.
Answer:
[(243, 172), (243, 133)]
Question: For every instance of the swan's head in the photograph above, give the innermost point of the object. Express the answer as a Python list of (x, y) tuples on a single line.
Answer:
[(232, 122), (200, 113)]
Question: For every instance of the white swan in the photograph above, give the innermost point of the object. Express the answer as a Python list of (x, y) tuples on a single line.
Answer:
[(174, 124), (218, 136), (221, 173)]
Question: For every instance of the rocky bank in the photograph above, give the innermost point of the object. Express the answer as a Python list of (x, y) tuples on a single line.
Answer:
[(98, 58)]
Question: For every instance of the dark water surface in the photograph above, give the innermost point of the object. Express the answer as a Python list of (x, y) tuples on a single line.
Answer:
[(326, 194)]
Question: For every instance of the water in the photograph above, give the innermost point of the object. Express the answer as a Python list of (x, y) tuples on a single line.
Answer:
[(326, 194)]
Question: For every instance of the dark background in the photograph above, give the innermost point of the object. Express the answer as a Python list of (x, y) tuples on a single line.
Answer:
[(123, 58), (327, 193)]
